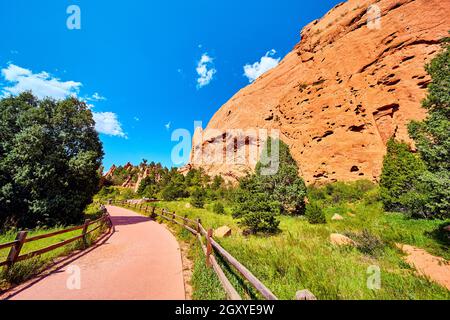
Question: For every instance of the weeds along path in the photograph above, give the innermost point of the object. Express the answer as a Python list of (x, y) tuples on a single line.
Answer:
[(140, 260)]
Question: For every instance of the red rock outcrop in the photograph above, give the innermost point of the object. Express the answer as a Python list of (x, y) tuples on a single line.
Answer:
[(342, 92), (110, 172)]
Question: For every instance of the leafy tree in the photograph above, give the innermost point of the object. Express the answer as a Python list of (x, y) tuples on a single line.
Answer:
[(198, 198), (421, 187), (50, 155), (432, 136), (401, 168)]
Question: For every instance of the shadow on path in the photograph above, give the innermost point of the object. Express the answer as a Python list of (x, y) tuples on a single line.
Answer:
[(127, 220), (57, 266)]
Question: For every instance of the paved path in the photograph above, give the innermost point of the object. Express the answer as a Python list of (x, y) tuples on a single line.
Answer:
[(140, 260)]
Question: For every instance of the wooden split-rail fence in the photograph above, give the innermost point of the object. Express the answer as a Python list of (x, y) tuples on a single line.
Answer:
[(16, 246), (211, 246)]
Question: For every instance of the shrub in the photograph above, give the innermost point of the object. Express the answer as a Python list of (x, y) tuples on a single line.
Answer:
[(367, 243), (315, 214), (256, 212), (339, 192), (218, 208), (264, 222), (198, 198)]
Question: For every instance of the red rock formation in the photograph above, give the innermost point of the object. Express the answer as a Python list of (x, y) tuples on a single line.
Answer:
[(342, 92), (110, 172)]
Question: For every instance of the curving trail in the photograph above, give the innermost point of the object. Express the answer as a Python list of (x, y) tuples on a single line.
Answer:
[(140, 260)]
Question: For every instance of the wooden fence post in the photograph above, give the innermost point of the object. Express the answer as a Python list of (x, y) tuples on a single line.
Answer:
[(85, 228), (199, 222), (173, 216), (208, 247), (153, 216), (15, 250), (185, 220)]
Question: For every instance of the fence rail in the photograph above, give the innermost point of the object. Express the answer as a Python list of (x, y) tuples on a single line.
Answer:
[(14, 255), (198, 230)]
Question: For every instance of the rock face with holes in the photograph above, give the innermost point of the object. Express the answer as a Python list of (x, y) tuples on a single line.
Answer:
[(343, 91)]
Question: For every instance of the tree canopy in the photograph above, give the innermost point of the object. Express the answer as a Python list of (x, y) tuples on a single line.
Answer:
[(50, 155)]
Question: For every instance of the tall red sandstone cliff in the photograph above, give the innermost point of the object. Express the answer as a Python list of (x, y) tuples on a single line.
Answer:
[(342, 92)]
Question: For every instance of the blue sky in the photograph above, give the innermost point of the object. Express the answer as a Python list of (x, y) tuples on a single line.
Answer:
[(139, 63)]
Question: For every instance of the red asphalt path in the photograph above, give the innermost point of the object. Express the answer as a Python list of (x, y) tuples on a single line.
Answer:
[(140, 260)]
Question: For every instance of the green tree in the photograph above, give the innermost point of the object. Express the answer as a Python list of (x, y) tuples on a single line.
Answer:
[(432, 137), (284, 185), (401, 168), (198, 198), (217, 183), (50, 155), (420, 185)]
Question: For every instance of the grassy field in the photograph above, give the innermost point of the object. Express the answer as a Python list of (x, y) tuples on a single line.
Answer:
[(26, 269), (302, 257)]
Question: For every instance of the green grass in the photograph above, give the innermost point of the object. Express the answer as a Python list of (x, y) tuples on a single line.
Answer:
[(301, 256), (24, 270)]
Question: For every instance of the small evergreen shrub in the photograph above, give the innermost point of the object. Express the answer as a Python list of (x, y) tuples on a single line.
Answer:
[(198, 198), (264, 222), (218, 208), (256, 212), (315, 214)]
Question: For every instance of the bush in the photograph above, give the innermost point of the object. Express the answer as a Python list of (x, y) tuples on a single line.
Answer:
[(339, 192), (264, 222), (256, 212), (198, 198), (367, 243), (218, 208), (315, 214), (169, 193)]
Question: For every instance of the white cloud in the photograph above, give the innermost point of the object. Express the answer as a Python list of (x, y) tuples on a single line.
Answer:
[(97, 97), (44, 85), (168, 125), (206, 71), (267, 62), (41, 84), (108, 123)]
